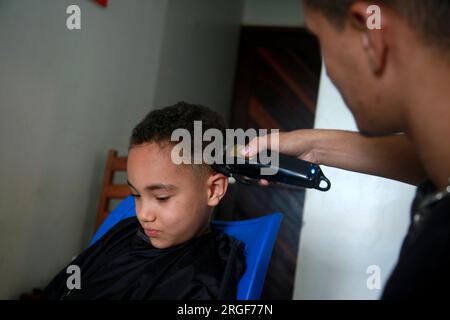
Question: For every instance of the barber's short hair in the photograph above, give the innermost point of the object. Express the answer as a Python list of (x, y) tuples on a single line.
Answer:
[(430, 18)]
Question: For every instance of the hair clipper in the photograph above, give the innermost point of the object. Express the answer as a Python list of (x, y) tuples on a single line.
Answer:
[(289, 171)]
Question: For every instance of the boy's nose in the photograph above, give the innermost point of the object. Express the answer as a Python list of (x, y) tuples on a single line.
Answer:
[(147, 214)]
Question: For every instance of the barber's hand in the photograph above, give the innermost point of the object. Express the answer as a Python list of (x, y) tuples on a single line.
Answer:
[(296, 143)]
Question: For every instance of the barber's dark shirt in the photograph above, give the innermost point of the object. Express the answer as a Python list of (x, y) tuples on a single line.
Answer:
[(124, 265), (423, 268)]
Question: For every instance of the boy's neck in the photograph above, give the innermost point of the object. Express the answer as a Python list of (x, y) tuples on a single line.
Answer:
[(206, 229)]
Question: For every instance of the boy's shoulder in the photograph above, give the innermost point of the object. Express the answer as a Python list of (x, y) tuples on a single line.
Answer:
[(123, 229), (219, 260)]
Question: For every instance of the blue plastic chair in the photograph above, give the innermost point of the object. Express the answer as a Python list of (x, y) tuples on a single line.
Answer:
[(258, 235)]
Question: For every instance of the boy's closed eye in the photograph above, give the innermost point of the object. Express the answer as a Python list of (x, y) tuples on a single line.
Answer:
[(162, 198), (159, 198), (155, 191)]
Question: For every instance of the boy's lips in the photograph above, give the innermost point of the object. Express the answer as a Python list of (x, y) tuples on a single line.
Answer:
[(151, 232)]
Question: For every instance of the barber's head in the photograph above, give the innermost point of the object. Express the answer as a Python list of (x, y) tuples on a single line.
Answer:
[(376, 70)]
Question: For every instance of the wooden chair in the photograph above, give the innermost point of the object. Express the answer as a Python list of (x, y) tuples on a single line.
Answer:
[(110, 190)]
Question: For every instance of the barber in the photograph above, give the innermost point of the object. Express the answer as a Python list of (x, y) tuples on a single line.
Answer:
[(396, 83)]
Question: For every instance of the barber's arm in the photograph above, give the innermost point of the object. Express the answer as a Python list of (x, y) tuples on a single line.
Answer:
[(391, 157)]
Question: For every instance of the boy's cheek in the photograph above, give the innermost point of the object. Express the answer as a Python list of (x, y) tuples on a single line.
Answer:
[(174, 219)]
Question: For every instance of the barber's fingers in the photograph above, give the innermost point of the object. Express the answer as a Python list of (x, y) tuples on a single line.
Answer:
[(260, 144), (254, 147)]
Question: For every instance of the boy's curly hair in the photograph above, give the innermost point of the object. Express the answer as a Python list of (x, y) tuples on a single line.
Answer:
[(159, 124)]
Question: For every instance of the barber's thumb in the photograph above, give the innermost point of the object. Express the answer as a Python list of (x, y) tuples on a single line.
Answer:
[(251, 149)]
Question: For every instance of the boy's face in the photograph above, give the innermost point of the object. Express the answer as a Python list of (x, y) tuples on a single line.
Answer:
[(173, 202)]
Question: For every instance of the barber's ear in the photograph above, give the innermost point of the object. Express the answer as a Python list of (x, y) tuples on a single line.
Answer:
[(217, 185), (373, 41)]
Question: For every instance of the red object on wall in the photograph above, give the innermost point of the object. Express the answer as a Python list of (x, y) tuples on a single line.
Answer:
[(103, 3)]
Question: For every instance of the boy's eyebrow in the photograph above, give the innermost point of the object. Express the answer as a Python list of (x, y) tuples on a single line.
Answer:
[(155, 186), (129, 183)]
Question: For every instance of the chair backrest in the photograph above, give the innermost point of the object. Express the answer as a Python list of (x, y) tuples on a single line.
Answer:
[(110, 191), (258, 235)]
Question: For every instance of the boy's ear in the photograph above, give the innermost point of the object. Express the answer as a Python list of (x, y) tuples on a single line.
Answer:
[(217, 185)]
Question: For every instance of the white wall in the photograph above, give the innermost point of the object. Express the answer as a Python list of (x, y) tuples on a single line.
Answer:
[(286, 13), (66, 97), (198, 59), (360, 222)]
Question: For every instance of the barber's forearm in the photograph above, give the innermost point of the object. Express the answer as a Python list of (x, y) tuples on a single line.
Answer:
[(391, 157)]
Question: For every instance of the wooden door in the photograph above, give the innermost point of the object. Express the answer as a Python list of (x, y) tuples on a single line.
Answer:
[(276, 87)]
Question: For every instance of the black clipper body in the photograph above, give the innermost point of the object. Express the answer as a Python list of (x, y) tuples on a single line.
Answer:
[(290, 171)]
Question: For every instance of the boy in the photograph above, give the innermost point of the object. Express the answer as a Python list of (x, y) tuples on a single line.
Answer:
[(170, 249)]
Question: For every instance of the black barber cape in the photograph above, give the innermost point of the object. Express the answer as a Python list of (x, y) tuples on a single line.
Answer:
[(124, 265), (423, 268)]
